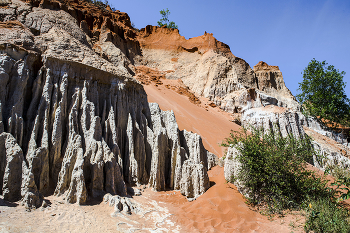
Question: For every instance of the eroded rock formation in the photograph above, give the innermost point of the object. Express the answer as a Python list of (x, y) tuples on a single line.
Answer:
[(332, 146), (270, 80), (209, 69), (85, 132), (73, 120), (232, 167)]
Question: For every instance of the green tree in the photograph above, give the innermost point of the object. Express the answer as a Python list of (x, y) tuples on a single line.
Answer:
[(323, 95), (164, 21)]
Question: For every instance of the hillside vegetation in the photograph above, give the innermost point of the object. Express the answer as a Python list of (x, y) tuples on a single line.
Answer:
[(273, 173)]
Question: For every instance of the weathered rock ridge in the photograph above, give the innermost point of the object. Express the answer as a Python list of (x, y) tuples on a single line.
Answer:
[(209, 69), (257, 97), (204, 64), (154, 37), (75, 123), (107, 33)]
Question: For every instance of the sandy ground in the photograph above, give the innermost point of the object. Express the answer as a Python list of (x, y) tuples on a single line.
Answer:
[(152, 216), (221, 209), (58, 217)]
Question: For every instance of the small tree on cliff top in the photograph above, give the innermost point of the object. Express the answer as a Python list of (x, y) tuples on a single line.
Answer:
[(164, 21), (322, 93)]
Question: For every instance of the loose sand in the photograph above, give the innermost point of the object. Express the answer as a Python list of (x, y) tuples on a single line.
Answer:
[(213, 124), (153, 216), (221, 209)]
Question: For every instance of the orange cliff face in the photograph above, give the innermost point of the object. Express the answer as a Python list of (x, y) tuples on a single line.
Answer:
[(94, 17), (154, 37), (99, 24)]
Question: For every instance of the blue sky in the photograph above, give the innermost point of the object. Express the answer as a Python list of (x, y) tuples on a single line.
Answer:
[(283, 33)]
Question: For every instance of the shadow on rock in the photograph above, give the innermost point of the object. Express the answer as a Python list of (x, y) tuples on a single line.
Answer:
[(7, 203)]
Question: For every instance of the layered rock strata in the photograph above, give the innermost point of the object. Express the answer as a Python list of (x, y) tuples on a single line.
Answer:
[(286, 121), (333, 148), (270, 81), (109, 34), (276, 119), (77, 121), (258, 97)]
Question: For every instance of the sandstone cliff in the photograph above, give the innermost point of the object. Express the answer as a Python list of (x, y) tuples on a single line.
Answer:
[(73, 120), (209, 69), (258, 97), (270, 81)]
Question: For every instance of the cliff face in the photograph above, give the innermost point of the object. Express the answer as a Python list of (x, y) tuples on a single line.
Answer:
[(257, 96), (209, 69), (77, 124), (153, 37), (204, 64), (270, 81)]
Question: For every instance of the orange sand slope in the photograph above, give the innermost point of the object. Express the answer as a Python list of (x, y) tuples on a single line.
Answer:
[(213, 124), (222, 208)]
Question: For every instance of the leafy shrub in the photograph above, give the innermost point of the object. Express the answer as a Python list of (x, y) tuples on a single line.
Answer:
[(324, 215), (342, 188), (274, 169), (342, 180), (338, 171)]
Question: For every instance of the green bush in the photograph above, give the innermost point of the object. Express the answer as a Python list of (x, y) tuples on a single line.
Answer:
[(339, 172), (274, 169), (324, 215)]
